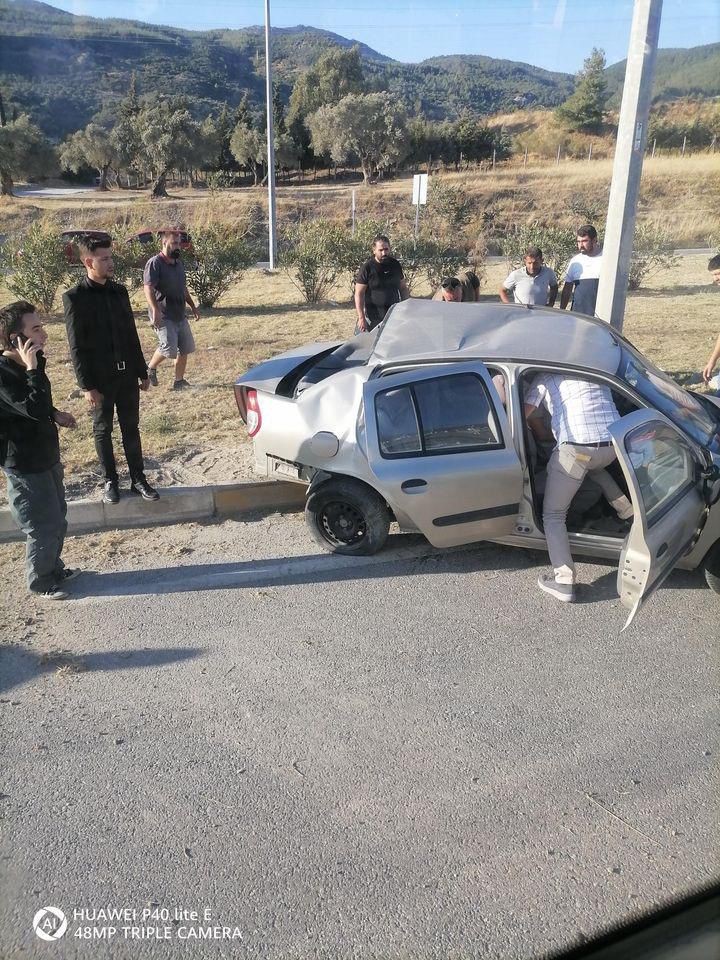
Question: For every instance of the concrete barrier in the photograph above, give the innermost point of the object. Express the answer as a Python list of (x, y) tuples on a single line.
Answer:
[(176, 505)]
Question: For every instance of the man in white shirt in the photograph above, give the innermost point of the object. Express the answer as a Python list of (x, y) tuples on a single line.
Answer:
[(532, 283), (583, 273), (580, 413)]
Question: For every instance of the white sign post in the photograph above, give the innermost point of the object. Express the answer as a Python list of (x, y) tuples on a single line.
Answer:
[(419, 196)]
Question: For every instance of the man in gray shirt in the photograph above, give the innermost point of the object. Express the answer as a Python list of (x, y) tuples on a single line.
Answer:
[(166, 293), (531, 283)]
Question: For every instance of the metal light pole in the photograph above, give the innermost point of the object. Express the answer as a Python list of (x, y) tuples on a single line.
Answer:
[(270, 140), (627, 167)]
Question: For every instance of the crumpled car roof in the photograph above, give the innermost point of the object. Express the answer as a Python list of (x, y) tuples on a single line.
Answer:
[(494, 331)]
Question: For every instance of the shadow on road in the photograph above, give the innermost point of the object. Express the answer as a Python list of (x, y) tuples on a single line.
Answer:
[(18, 664), (409, 555)]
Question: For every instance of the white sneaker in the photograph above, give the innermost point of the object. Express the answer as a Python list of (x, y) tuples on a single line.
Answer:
[(561, 591)]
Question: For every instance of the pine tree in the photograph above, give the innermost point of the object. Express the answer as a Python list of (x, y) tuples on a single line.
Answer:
[(583, 110)]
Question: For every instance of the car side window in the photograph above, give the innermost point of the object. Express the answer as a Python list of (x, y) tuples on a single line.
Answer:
[(663, 464), (398, 428), (441, 415)]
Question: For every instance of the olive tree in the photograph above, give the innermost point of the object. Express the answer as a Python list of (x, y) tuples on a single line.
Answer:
[(369, 128), (248, 147), (24, 152), (92, 147), (167, 133)]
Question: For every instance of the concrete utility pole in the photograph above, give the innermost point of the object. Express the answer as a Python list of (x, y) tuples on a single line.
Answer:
[(627, 168), (272, 245)]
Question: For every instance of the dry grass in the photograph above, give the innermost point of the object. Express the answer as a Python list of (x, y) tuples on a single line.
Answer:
[(689, 187), (674, 322)]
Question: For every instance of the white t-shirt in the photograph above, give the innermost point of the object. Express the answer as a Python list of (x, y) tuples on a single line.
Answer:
[(584, 272)]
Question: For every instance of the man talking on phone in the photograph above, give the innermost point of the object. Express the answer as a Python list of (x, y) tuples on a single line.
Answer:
[(30, 451)]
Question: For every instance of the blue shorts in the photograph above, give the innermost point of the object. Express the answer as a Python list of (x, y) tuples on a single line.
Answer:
[(175, 337)]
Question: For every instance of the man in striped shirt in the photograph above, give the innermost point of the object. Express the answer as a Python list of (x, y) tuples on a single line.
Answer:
[(580, 413)]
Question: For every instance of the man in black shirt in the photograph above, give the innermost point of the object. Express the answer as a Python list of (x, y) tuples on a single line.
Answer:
[(29, 449), (379, 283), (109, 364)]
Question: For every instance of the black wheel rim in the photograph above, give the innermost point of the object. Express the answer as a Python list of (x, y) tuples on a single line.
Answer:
[(342, 524)]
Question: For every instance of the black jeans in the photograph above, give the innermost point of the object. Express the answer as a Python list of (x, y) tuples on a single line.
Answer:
[(123, 396)]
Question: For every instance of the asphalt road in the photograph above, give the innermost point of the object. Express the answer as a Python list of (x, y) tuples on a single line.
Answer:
[(412, 755)]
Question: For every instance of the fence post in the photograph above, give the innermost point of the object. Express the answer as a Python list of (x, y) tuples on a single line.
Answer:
[(493, 159), (682, 152), (712, 144), (590, 153), (653, 149), (352, 233), (525, 157), (557, 158)]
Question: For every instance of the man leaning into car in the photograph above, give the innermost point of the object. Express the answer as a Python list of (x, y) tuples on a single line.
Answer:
[(580, 413)]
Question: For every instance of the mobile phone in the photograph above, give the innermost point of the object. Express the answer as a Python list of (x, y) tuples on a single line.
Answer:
[(21, 337)]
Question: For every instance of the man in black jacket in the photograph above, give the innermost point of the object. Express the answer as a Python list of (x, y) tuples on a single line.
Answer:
[(109, 364), (29, 449)]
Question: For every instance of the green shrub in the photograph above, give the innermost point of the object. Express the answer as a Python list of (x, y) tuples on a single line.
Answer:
[(447, 212), (129, 259), (36, 264), (219, 259), (313, 254), (652, 252), (432, 259)]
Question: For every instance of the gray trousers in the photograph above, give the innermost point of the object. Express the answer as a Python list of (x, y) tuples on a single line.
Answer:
[(37, 505), (565, 473)]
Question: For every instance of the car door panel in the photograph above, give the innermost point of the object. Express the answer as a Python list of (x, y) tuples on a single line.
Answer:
[(439, 446), (662, 470)]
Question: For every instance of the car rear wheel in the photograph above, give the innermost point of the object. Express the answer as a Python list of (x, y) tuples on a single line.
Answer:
[(711, 566), (345, 516)]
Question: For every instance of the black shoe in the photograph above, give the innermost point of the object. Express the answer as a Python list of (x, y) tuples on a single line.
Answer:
[(181, 385), (111, 494), (143, 489), (54, 592)]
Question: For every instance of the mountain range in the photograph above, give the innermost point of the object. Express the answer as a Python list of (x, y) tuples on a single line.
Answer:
[(61, 69)]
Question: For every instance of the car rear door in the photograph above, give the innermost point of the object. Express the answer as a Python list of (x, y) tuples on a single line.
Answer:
[(665, 479), (440, 448)]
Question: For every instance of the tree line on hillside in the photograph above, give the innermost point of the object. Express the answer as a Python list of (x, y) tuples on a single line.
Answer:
[(335, 115)]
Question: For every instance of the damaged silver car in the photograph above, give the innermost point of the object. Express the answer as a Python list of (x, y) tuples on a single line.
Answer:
[(421, 421)]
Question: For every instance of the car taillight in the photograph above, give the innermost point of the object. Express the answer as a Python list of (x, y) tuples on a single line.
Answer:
[(254, 417)]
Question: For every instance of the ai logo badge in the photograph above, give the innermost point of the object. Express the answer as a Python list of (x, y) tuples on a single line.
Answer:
[(50, 923)]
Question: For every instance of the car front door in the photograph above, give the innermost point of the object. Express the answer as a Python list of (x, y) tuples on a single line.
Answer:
[(439, 445), (664, 477)]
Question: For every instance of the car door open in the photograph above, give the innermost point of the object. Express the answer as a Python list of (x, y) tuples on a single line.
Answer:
[(663, 474), (439, 446)]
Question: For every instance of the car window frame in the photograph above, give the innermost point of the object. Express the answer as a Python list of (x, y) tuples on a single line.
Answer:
[(654, 515), (449, 451)]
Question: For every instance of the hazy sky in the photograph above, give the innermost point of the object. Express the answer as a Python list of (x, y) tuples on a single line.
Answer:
[(556, 34)]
